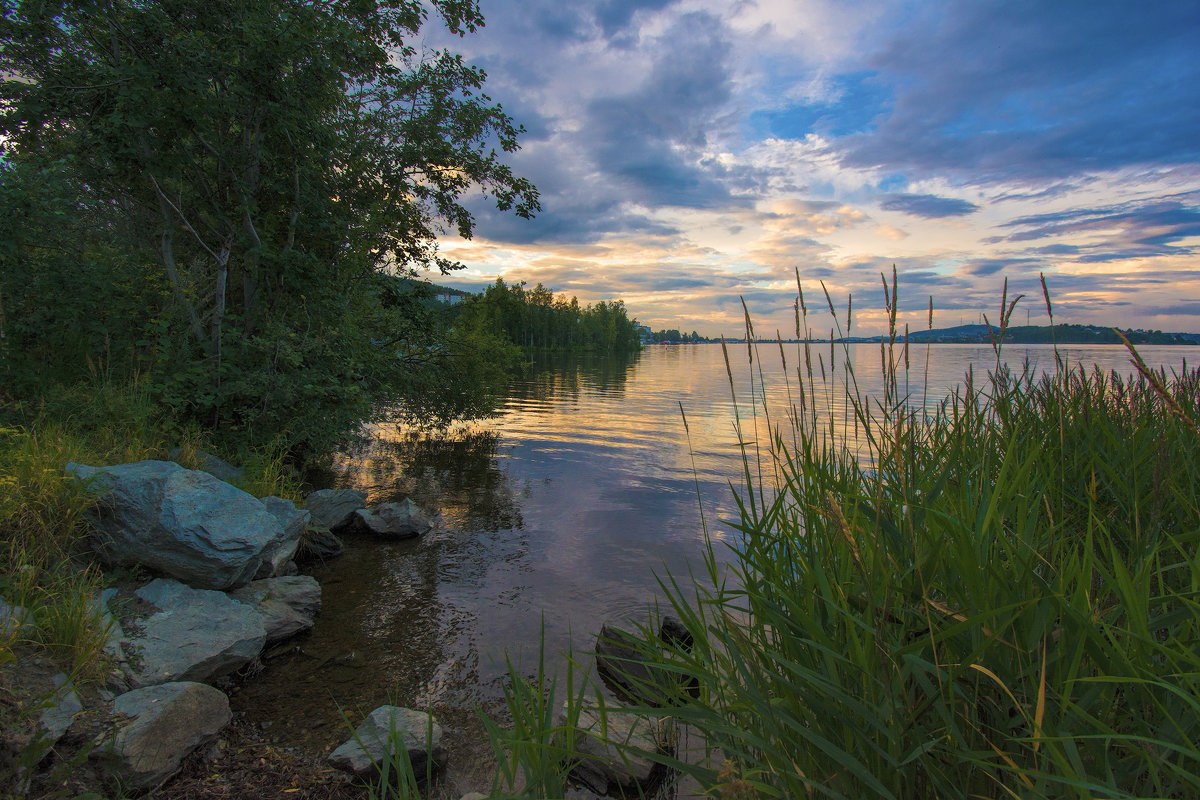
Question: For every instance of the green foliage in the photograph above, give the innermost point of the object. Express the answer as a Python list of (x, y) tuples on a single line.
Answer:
[(239, 176), (73, 302), (1087, 334), (446, 367), (998, 599), (536, 319)]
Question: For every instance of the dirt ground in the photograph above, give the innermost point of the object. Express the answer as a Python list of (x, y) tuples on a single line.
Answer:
[(238, 764)]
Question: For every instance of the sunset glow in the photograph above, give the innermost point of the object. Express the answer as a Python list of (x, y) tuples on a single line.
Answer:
[(690, 153)]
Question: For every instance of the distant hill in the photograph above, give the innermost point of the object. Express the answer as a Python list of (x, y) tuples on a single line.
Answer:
[(1044, 334)]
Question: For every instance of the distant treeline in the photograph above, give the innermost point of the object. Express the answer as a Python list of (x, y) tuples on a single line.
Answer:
[(1061, 334), (1089, 334), (540, 320), (675, 337)]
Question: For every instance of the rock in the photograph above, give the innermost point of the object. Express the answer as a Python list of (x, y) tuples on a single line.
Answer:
[(334, 508), (15, 621), (300, 592), (183, 522), (287, 604), (319, 543), (373, 741), (294, 522), (617, 748), (63, 706), (158, 727), (474, 796), (675, 633), (119, 678), (631, 666), (393, 520), (24, 741), (209, 463), (195, 636)]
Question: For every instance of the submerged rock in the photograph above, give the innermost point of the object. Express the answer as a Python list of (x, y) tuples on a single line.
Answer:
[(185, 523), (618, 749), (673, 632), (393, 520), (635, 668), (334, 508), (380, 737)]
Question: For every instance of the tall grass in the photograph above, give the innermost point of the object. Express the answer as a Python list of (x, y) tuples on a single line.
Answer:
[(994, 598)]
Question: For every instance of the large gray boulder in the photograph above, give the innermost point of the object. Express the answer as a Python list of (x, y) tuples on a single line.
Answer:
[(287, 604), (195, 635), (393, 520), (380, 737), (185, 523), (334, 508), (618, 750), (156, 727)]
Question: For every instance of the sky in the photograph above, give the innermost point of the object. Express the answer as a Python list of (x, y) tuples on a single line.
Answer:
[(692, 154)]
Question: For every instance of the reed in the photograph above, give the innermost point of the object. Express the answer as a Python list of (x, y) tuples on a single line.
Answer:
[(536, 753), (997, 597)]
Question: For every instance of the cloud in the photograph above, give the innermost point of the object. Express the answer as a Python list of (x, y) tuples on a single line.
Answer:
[(1136, 229), (986, 267), (603, 152), (690, 152), (652, 139), (614, 16), (1189, 307), (927, 206), (997, 89), (850, 103)]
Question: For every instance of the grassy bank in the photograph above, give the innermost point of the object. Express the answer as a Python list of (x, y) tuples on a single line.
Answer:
[(44, 564)]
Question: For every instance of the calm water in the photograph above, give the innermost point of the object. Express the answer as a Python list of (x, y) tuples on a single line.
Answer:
[(554, 516)]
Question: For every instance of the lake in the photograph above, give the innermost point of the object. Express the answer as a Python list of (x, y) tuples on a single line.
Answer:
[(560, 513)]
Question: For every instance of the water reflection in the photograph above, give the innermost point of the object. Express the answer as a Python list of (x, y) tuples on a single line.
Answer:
[(457, 473), (565, 376)]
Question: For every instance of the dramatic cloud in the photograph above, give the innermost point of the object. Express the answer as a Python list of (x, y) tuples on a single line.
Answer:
[(1000, 90), (693, 153)]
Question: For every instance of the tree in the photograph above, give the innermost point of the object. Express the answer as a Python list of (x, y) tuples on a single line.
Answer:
[(536, 319), (268, 157)]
